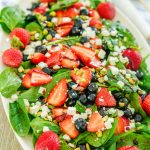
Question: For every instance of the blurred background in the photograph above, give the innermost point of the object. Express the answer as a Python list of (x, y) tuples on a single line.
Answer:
[(136, 10)]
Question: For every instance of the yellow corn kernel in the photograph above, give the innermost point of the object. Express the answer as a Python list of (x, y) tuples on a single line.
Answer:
[(53, 13), (87, 146), (20, 69), (99, 134), (45, 31), (78, 148), (49, 37)]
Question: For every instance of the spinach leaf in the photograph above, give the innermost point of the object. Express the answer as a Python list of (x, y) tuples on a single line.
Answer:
[(99, 141), (12, 17), (112, 147), (33, 26), (27, 65), (34, 139), (94, 3), (19, 118), (80, 108), (55, 80), (37, 125), (135, 104), (9, 82)]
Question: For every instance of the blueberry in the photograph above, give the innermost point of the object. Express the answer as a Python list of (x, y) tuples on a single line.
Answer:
[(82, 147), (138, 118), (71, 84), (81, 124), (47, 70), (84, 39), (123, 103), (52, 32), (92, 87), (94, 77), (30, 18), (75, 31), (25, 57), (78, 22), (128, 113), (41, 49), (84, 11), (41, 99), (139, 74), (103, 111), (48, 17), (83, 99), (118, 95), (71, 102), (91, 97), (72, 94)]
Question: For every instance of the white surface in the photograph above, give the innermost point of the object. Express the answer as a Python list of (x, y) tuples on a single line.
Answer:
[(27, 141)]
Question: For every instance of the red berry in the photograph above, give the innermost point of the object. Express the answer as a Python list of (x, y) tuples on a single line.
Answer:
[(78, 5), (22, 34), (107, 10), (96, 23), (12, 57), (38, 57), (128, 148), (48, 141), (135, 58), (146, 104), (94, 14)]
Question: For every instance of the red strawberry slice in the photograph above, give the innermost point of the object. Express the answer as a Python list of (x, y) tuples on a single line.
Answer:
[(94, 14), (122, 123), (128, 148), (47, 1), (95, 62), (38, 57), (54, 59), (41, 9), (48, 141), (95, 23), (68, 127), (106, 10), (146, 104), (105, 98), (134, 57), (64, 29), (82, 76), (96, 123), (26, 81), (39, 77), (12, 57), (58, 95), (71, 64), (22, 34), (78, 5)]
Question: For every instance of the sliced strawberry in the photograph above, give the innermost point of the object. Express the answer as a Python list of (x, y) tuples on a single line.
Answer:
[(95, 62), (58, 95), (41, 9), (22, 34), (128, 148), (82, 76), (107, 10), (146, 104), (64, 29), (68, 127), (26, 81), (47, 1), (12, 57), (54, 59), (95, 23), (39, 77), (96, 123), (78, 5), (104, 98), (122, 123), (94, 14), (135, 58), (71, 64), (38, 57), (48, 141)]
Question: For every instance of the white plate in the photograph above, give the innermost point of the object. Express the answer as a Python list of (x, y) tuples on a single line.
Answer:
[(27, 141)]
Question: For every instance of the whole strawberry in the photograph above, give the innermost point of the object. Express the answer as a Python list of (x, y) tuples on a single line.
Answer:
[(128, 148), (146, 104)]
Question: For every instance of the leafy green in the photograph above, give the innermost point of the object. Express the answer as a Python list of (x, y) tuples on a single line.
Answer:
[(64, 145), (112, 147), (27, 65), (11, 17), (37, 125), (80, 108), (94, 3), (19, 118), (33, 26), (135, 104), (61, 4), (34, 139), (9, 82)]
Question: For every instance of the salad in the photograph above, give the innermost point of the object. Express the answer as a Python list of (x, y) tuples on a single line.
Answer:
[(75, 78)]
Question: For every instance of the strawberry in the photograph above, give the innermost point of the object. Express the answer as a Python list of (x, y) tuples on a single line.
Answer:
[(128, 148), (37, 58), (12, 57), (146, 104), (96, 123), (41, 9), (95, 62), (82, 76), (48, 141), (39, 77), (68, 127), (135, 58), (71, 64), (64, 29), (94, 14), (122, 123), (78, 5), (22, 34), (106, 10), (47, 1), (54, 59), (95, 23), (26, 81), (58, 95), (104, 98)]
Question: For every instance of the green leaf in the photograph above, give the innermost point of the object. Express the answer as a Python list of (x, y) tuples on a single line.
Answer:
[(9, 82), (112, 147), (19, 118), (80, 108), (27, 65), (12, 17), (37, 125), (34, 139), (94, 3), (135, 104), (64, 145)]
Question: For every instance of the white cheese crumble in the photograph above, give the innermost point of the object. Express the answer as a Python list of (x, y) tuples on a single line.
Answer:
[(113, 60), (111, 111), (105, 78), (113, 33), (105, 32), (114, 70), (120, 113), (89, 33), (14, 97), (66, 19), (120, 83), (29, 50), (42, 90), (71, 145), (128, 76), (98, 42), (42, 65), (66, 137), (108, 123), (57, 36), (45, 129), (47, 55), (101, 54), (71, 111), (26, 102), (56, 67), (54, 20), (34, 109)]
